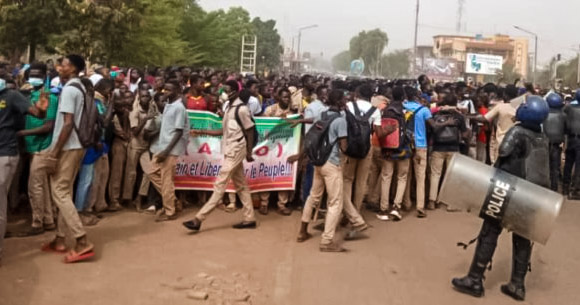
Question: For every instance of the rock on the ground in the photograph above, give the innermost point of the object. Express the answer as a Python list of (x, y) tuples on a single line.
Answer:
[(198, 295)]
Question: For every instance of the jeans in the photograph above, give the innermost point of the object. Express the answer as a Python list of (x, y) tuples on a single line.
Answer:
[(307, 182), (555, 162), (84, 185)]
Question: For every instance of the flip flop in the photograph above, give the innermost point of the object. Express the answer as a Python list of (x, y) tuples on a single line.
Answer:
[(74, 257), (50, 249)]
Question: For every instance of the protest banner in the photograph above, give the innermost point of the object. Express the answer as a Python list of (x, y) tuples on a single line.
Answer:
[(199, 167)]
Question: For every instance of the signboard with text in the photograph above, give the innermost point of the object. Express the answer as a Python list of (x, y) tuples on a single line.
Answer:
[(483, 64)]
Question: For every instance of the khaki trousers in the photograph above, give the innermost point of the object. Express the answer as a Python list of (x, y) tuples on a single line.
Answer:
[(481, 151), (119, 151), (438, 158), (8, 166), (388, 169), (374, 182), (62, 183), (136, 155), (493, 149), (162, 176), (329, 177), (98, 189), (232, 168), (357, 171), (420, 167), (39, 192), (283, 198)]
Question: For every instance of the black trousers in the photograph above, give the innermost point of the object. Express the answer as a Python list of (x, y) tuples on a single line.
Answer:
[(572, 158), (555, 164), (486, 244)]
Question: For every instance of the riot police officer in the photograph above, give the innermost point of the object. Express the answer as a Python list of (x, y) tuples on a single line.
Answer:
[(572, 113), (554, 128), (523, 153)]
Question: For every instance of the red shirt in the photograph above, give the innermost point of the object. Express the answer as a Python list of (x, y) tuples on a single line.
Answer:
[(481, 136), (196, 103)]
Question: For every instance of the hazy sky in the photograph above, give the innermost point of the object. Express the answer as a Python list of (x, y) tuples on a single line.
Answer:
[(555, 21)]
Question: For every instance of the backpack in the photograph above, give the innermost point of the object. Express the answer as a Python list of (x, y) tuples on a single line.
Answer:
[(239, 121), (316, 142), (410, 126), (398, 139), (448, 135), (90, 127), (359, 133)]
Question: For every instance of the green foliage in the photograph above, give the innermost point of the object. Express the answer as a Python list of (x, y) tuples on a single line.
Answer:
[(341, 61), (269, 48), (369, 46), (395, 64), (135, 32)]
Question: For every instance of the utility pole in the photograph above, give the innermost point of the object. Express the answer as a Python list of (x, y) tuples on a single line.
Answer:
[(299, 42), (459, 16), (414, 62), (578, 72)]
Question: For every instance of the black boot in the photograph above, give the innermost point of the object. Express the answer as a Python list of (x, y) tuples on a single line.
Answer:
[(472, 283), (522, 251)]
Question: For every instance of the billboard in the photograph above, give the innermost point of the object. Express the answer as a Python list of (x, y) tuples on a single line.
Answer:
[(483, 64), (439, 69)]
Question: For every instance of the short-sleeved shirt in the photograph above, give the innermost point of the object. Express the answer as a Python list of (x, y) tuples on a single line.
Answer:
[(254, 105), (71, 102), (233, 137), (13, 107), (137, 116), (196, 103), (337, 130), (364, 107), (277, 111), (421, 116), (504, 113), (154, 125), (37, 143), (174, 118), (313, 110)]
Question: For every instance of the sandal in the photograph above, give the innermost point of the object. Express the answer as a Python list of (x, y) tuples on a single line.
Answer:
[(73, 256), (51, 247)]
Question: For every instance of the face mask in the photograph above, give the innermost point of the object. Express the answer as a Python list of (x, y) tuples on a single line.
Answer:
[(2, 84), (35, 81)]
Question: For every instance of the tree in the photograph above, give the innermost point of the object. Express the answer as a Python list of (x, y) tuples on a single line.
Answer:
[(369, 46), (269, 48), (395, 64), (341, 61), (26, 24), (507, 74)]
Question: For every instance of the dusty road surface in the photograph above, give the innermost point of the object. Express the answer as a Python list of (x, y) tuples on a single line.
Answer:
[(411, 262)]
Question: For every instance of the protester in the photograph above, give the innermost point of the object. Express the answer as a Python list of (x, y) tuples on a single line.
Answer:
[(13, 106), (238, 139), (138, 150), (172, 143), (66, 153), (123, 107)]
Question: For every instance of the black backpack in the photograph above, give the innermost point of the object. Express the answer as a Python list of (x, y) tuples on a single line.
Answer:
[(316, 142), (91, 126), (448, 135), (256, 135), (359, 133)]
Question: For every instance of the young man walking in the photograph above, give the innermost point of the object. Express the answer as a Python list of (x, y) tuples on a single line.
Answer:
[(238, 138)]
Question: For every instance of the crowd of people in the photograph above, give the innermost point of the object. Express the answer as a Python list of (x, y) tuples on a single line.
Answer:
[(78, 141)]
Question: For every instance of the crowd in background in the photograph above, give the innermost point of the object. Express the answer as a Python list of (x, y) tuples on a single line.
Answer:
[(67, 183)]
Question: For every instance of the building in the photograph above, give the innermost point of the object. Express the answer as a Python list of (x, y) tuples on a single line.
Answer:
[(513, 50)]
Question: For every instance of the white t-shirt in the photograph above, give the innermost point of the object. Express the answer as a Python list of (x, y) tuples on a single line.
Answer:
[(364, 107), (71, 101), (254, 105)]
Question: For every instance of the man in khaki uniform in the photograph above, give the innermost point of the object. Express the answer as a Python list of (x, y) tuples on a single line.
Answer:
[(280, 109), (237, 146), (119, 150), (138, 151)]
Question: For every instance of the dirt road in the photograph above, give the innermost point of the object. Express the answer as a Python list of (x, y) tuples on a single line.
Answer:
[(411, 262)]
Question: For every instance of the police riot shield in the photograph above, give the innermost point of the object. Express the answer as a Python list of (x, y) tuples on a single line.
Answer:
[(518, 205)]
